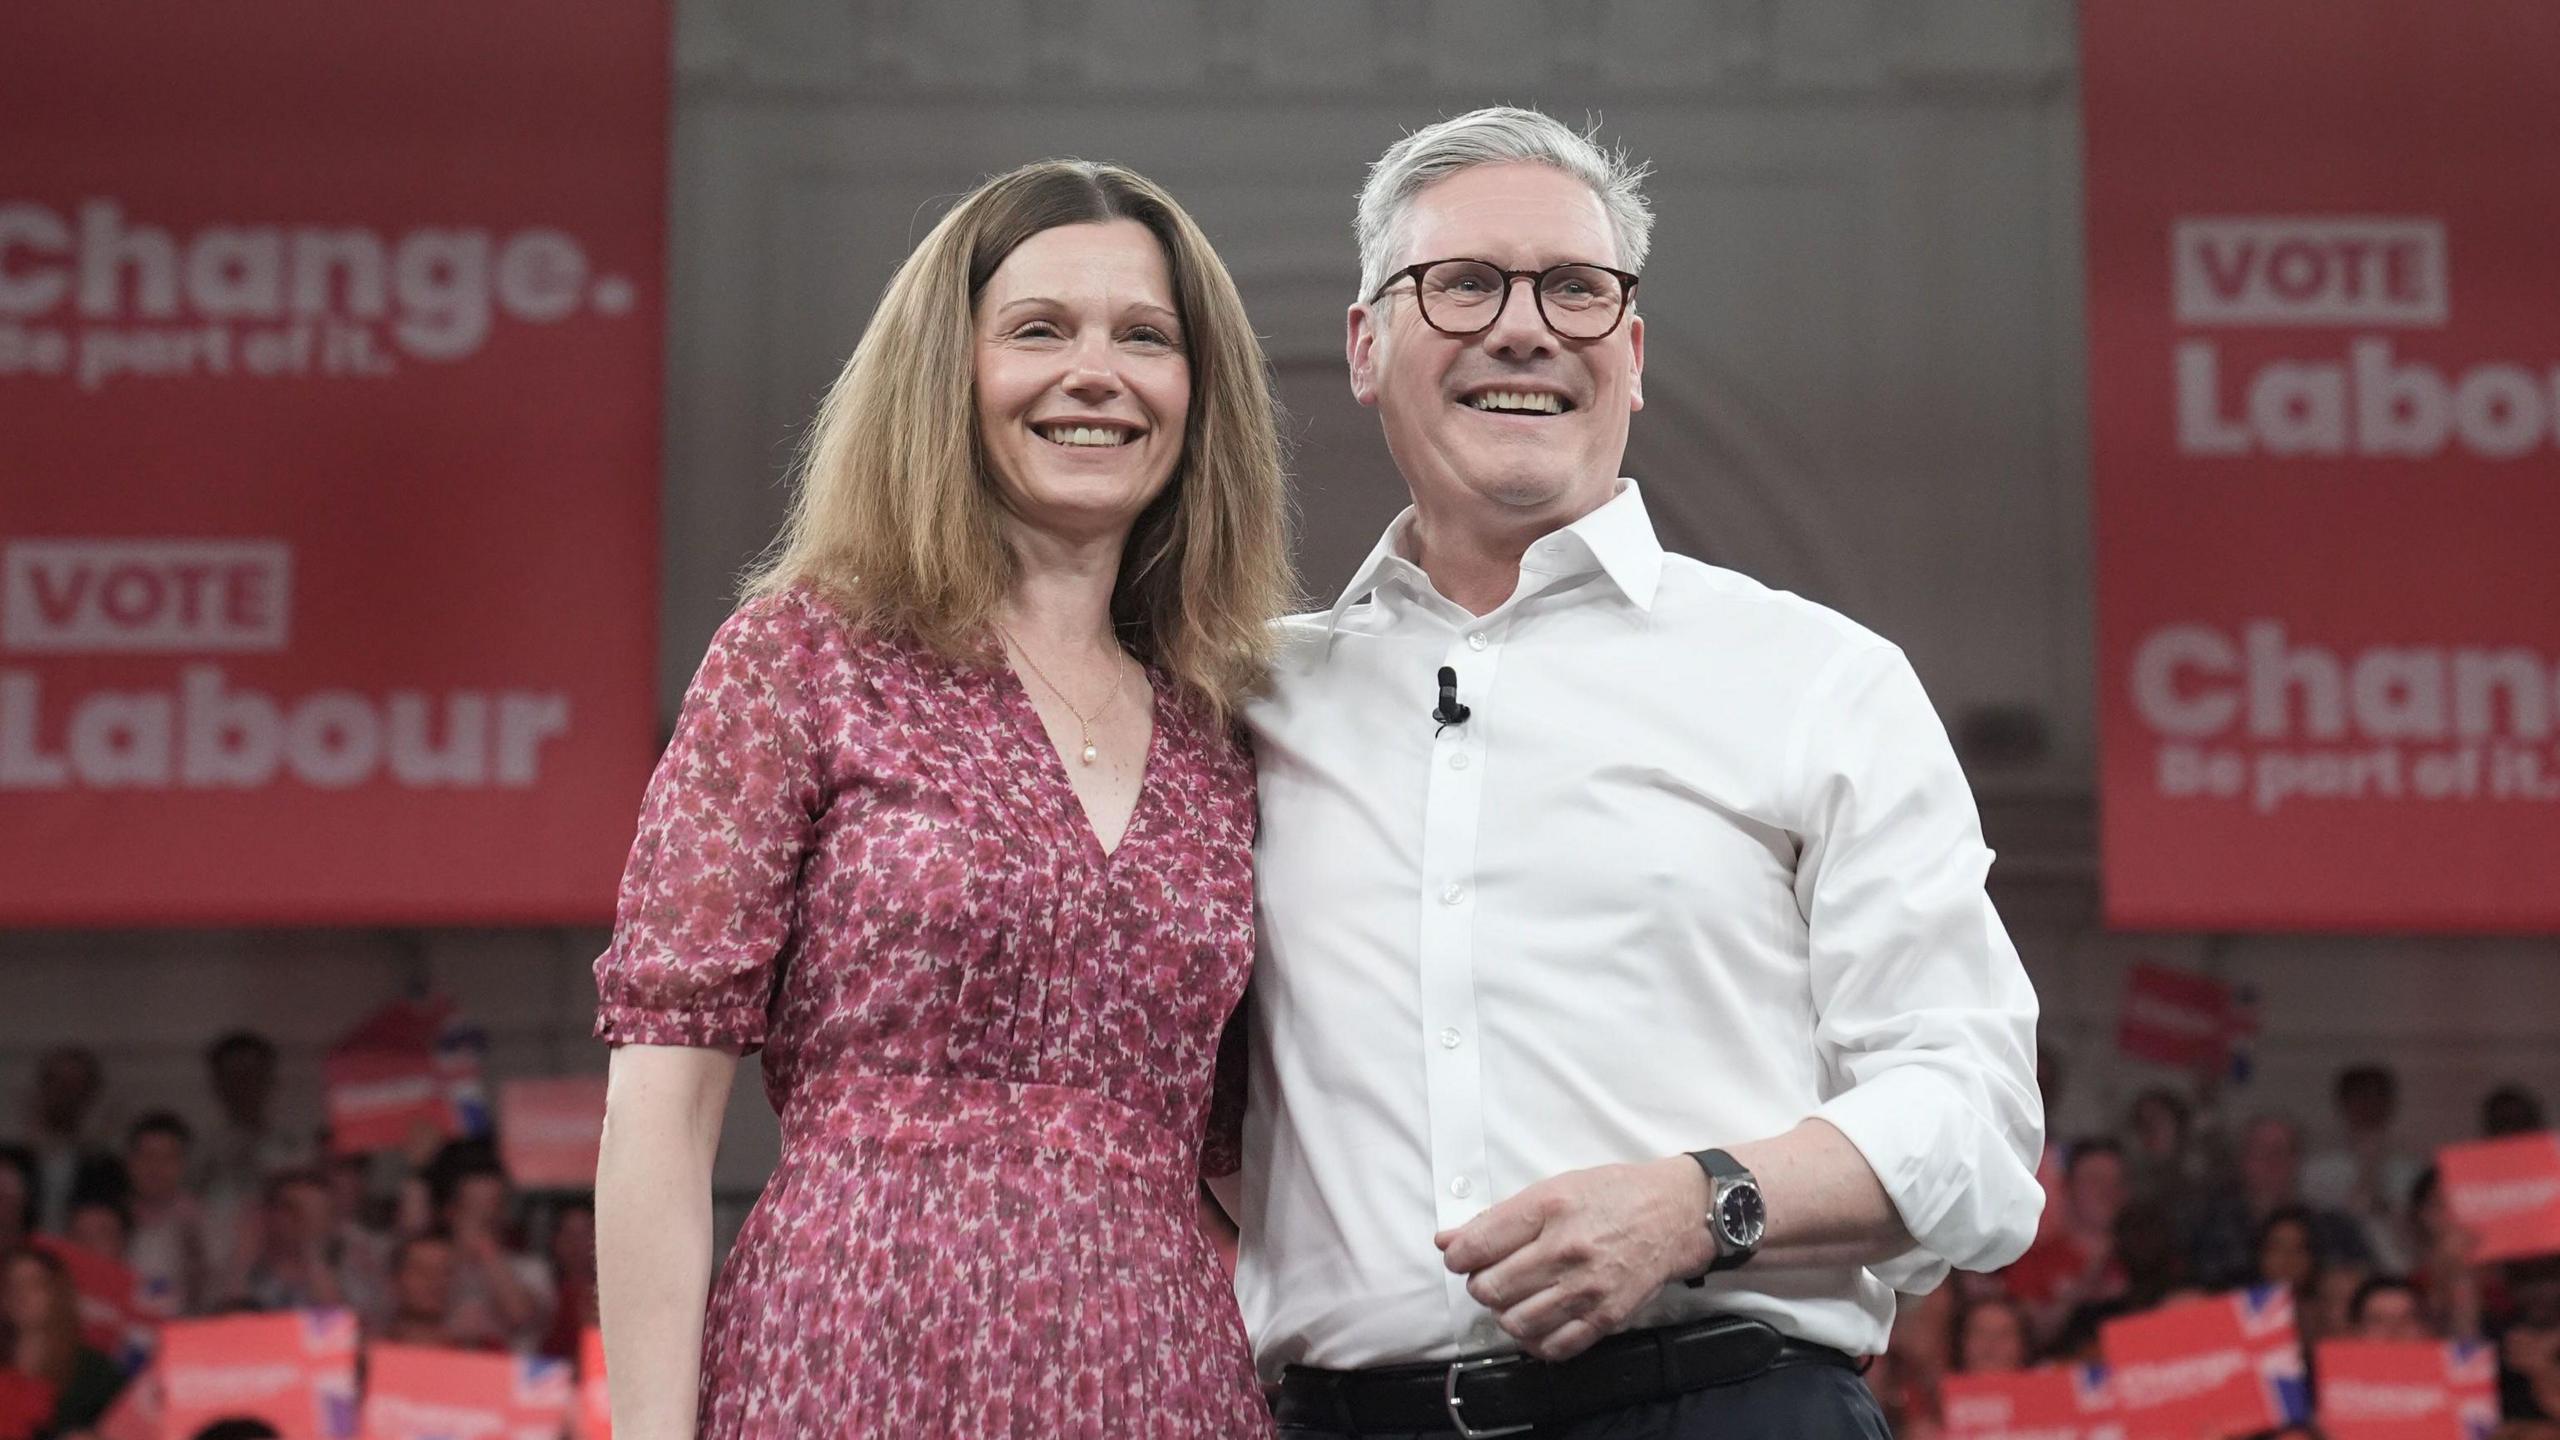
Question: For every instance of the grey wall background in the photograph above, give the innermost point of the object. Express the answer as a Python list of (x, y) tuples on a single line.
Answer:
[(1865, 380)]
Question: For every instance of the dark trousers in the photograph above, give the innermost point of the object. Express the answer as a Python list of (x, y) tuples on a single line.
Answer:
[(1795, 1402)]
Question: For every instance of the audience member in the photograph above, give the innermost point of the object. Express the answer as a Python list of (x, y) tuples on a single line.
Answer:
[(2074, 1261), (2511, 1110), (2387, 1307), (361, 1242), (2288, 1250), (2529, 1341), (284, 1260), (100, 1222), (2447, 1276), (2366, 1175), (1991, 1338), (573, 1278), (421, 1294), (41, 1312), (501, 1296), (245, 1145), (2151, 1249), (17, 1197), (69, 1080), (2163, 1163), (2077, 1344), (171, 1251), (1906, 1378), (2269, 1180)]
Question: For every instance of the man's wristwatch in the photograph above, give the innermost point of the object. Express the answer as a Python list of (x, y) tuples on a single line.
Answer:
[(1736, 1217)]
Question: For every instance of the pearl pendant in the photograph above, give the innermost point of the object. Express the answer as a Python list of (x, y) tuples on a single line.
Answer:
[(1090, 755)]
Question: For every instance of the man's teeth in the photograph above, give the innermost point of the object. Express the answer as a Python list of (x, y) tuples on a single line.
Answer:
[(1085, 435), (1518, 400)]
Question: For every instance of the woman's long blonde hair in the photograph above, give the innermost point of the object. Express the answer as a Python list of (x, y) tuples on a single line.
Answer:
[(897, 522)]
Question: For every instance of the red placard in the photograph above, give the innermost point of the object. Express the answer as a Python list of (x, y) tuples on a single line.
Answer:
[(2507, 1192), (2053, 1402), (416, 1393), (113, 1317), (595, 1405), (2391, 1390), (2223, 1365), (2325, 417), (26, 1404), (2177, 1017), (329, 365), (295, 1371), (407, 1067), (549, 1131)]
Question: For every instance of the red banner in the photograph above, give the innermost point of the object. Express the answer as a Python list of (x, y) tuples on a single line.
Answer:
[(2507, 1192), (2387, 1390), (2053, 1402), (329, 365), (550, 1131), (2225, 1365), (416, 1393), (2325, 421)]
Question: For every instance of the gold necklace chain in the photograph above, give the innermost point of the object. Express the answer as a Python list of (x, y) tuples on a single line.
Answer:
[(1084, 722)]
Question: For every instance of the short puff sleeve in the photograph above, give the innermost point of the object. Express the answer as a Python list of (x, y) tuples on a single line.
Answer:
[(707, 899)]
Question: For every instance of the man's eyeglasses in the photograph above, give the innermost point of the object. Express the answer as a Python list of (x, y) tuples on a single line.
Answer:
[(1465, 297)]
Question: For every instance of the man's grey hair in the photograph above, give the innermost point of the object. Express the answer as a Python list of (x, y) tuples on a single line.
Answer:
[(1499, 135)]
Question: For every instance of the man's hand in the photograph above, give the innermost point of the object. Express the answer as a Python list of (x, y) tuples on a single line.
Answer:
[(1567, 1260)]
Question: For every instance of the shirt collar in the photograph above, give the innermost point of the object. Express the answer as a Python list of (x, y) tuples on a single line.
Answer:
[(1616, 539)]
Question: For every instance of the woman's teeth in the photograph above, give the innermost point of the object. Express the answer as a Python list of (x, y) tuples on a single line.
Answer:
[(1084, 435)]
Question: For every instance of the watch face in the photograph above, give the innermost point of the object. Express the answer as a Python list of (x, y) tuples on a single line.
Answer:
[(1741, 1216)]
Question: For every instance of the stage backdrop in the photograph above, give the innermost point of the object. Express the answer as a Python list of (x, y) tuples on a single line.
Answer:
[(2324, 318), (329, 382)]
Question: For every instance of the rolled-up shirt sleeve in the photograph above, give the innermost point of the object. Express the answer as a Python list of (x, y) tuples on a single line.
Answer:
[(1923, 1018)]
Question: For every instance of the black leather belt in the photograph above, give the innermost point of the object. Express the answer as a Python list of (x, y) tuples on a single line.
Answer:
[(1509, 1394)]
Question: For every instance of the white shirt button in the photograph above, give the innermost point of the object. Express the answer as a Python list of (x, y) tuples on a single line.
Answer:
[(1450, 1038), (1455, 894), (1458, 761), (1462, 1187), (1476, 640)]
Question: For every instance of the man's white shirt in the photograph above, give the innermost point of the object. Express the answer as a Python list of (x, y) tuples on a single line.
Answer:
[(1700, 864)]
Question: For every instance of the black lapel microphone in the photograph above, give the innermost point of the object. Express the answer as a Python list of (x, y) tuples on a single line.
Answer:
[(1449, 712)]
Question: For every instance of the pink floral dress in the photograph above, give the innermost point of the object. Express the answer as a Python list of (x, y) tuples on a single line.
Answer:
[(991, 1043)]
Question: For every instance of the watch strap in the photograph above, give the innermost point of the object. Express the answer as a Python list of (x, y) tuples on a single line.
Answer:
[(1722, 1170)]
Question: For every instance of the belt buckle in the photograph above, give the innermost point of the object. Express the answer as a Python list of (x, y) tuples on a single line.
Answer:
[(1456, 1404)]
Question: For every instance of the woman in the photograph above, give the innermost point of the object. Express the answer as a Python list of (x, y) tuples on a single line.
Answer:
[(1990, 1338), (42, 1331), (955, 827)]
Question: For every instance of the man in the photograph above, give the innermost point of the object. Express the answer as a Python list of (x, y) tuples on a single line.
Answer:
[(2074, 1260), (242, 1146), (500, 1296), (2387, 1307), (1578, 858), (171, 1251), (2270, 1179), (69, 1081), (2367, 1175)]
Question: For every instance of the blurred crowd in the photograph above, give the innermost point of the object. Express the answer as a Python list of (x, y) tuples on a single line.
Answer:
[(230, 1210), (2186, 1198)]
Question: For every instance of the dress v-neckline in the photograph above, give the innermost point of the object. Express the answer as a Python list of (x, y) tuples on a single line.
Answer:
[(1029, 727)]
